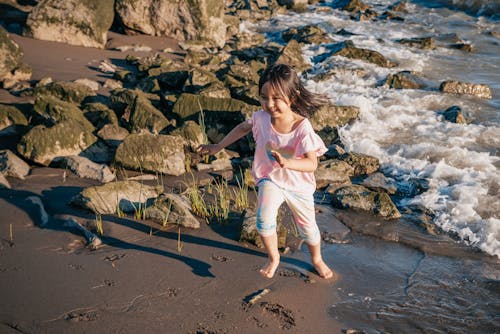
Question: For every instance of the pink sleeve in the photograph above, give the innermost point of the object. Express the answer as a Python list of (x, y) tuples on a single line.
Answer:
[(311, 142)]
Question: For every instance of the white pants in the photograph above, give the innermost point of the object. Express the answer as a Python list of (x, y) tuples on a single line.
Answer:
[(270, 198)]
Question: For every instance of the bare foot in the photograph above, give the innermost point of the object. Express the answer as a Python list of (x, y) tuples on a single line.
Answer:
[(323, 270), (269, 270)]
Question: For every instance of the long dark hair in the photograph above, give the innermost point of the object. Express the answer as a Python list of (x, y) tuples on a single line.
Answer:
[(285, 82)]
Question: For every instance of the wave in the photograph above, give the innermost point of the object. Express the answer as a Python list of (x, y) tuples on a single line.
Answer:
[(489, 8)]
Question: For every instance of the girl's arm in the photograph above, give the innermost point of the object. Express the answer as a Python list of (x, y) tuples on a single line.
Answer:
[(239, 131), (307, 164)]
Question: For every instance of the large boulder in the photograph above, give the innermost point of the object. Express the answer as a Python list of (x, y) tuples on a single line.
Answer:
[(152, 153), (115, 197), (75, 22), (11, 56), (182, 20), (42, 144), (360, 198), (50, 110), (171, 209)]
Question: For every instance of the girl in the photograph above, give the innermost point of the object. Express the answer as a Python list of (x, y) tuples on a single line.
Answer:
[(286, 156)]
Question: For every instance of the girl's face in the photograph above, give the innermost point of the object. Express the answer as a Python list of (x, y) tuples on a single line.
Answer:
[(273, 103)]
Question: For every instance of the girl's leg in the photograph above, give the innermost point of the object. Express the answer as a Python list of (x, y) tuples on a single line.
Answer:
[(302, 206), (318, 263), (271, 246), (270, 199)]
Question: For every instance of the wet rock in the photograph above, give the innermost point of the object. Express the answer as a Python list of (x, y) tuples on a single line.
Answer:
[(292, 54), (71, 92), (363, 164), (361, 198), (12, 165), (152, 153), (389, 15), (50, 110), (83, 167), (11, 120), (454, 114), (379, 182), (462, 46), (457, 87), (171, 209), (400, 6), (309, 34), (403, 80), (348, 50), (426, 43), (117, 196), (332, 171), (333, 116), (202, 20), (355, 6), (74, 22), (42, 145)]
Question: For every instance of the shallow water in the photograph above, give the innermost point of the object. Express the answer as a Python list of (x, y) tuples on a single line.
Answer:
[(404, 128)]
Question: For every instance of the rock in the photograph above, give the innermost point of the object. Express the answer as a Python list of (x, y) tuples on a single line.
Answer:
[(112, 135), (99, 152), (50, 110), (294, 4), (363, 164), (400, 6), (426, 43), (309, 34), (378, 182), (333, 116), (71, 92), (222, 161), (85, 168), (11, 119), (93, 85), (3, 182), (197, 79), (403, 80), (18, 76), (184, 21), (106, 67), (292, 54), (355, 6), (250, 235), (144, 116), (192, 133), (332, 171), (152, 153), (42, 144), (12, 165), (457, 87), (462, 46), (11, 54), (348, 50), (99, 114), (454, 114), (172, 209), (112, 197), (75, 22), (359, 197), (112, 84)]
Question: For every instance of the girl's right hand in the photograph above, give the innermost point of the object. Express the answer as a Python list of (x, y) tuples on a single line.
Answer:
[(208, 149)]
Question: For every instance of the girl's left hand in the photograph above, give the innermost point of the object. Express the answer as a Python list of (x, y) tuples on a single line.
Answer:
[(279, 158)]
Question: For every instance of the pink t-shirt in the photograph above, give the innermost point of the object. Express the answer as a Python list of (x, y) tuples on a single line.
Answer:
[(295, 144)]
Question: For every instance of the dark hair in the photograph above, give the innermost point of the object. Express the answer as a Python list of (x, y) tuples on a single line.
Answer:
[(285, 82)]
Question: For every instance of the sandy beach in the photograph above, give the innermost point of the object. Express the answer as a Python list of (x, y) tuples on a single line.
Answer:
[(149, 279)]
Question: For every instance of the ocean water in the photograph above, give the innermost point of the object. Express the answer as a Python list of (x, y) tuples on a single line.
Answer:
[(405, 129)]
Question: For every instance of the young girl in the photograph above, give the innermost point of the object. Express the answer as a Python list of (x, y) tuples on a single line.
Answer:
[(286, 156)]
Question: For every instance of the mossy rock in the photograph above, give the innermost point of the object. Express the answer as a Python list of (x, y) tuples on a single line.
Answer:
[(11, 54), (67, 91), (11, 118), (363, 164), (403, 80), (361, 198), (333, 116), (348, 50), (99, 114), (249, 233), (309, 34), (152, 153), (42, 145), (192, 133), (50, 110), (144, 116), (292, 55), (172, 209)]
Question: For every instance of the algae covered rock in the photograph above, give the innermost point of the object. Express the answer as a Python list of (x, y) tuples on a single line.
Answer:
[(50, 110), (292, 54), (152, 153), (361, 198), (348, 50), (110, 198), (144, 116), (457, 87), (11, 59), (10, 119), (76, 22), (171, 209), (72, 92), (333, 116), (42, 144)]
